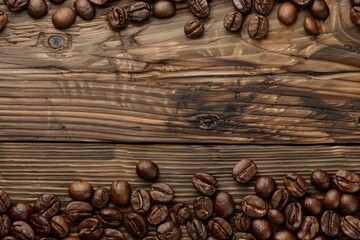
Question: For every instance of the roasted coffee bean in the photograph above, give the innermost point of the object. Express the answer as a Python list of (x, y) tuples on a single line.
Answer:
[(233, 21), (309, 228), (39, 224), (355, 2), (110, 217), (164, 9), (203, 207), (246, 169), (80, 190), (99, 2), (48, 205), (349, 204), (147, 169), (135, 225), (139, 12), (276, 217), (265, 187), (168, 231), (59, 227), (200, 8), (20, 212), (180, 213), (319, 9), (261, 229), (63, 17), (71, 238), (16, 5), (194, 28), (205, 183), (220, 228), (258, 27), (116, 17), (347, 181), (287, 13), (196, 229), (162, 192), (332, 199), (284, 235), (243, 236), (84, 8), (77, 211), (47, 238), (295, 184), (113, 234), (330, 223), (151, 238), (350, 226), (224, 205), (254, 206), (293, 216), (158, 214), (280, 199), (320, 237), (3, 22), (5, 202), (5, 225), (140, 201), (90, 229), (242, 6), (313, 206), (101, 197), (302, 2), (22, 230), (320, 178), (120, 191), (263, 7), (312, 29), (9, 238), (37, 8), (355, 15), (242, 222)]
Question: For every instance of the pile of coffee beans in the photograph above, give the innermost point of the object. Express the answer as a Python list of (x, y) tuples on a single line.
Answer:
[(355, 12)]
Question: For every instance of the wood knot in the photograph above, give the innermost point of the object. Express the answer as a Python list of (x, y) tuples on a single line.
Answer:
[(56, 41), (208, 122)]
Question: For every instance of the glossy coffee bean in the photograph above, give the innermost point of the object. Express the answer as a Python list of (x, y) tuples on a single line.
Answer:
[(312, 29), (5, 202), (3, 22), (63, 17), (71, 238), (120, 192), (224, 205), (261, 229), (203, 207), (162, 192), (320, 237), (98, 2), (293, 216), (349, 204), (295, 184), (330, 223), (9, 238), (110, 217), (194, 28), (265, 187), (287, 13), (204, 183), (280, 199), (158, 214), (116, 17), (355, 2), (147, 169), (284, 235), (313, 206), (39, 224), (5, 225), (243, 236), (151, 238), (80, 190), (242, 222), (254, 206), (140, 201), (22, 230), (20, 212), (59, 227), (90, 229), (100, 198), (233, 21), (135, 225), (48, 205), (350, 226), (37, 8), (180, 213), (355, 15), (347, 181), (263, 7), (196, 229), (16, 5), (168, 231), (332, 199), (302, 2), (200, 8), (242, 6), (139, 12), (77, 211), (246, 169), (164, 9), (319, 178), (258, 27), (85, 9), (309, 228), (220, 228), (319, 9), (276, 217), (112, 234)]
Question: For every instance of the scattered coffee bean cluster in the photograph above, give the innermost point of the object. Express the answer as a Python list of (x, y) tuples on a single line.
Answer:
[(286, 213), (355, 12)]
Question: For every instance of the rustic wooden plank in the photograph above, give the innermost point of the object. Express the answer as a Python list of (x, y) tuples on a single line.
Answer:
[(28, 170)]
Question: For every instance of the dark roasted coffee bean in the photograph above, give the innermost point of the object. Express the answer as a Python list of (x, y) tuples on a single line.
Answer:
[(151, 238), (320, 178), (20, 212), (265, 187), (84, 8), (330, 223), (113, 234), (90, 229), (313, 206), (263, 7), (242, 222), (302, 2), (205, 183), (140, 201), (39, 224), (47, 238), (196, 229), (312, 29), (147, 169), (164, 9), (233, 21), (284, 235), (355, 15), (347, 181), (37, 8), (349, 204), (261, 229), (158, 214), (309, 228), (77, 211), (320, 237), (224, 205), (295, 184), (242, 6), (71, 238), (276, 217), (293, 216), (116, 17), (99, 2), (287, 13), (332, 199), (280, 199), (5, 225), (139, 12), (180, 213), (350, 226), (246, 169), (211, 238), (16, 5), (355, 2), (59, 227), (194, 28), (9, 238), (3, 22), (48, 205), (110, 217), (220, 228), (258, 27), (135, 225), (80, 190), (319, 9), (101, 197), (203, 207), (243, 236), (162, 192), (63, 17), (200, 8), (21, 230), (254, 206), (168, 231), (120, 191)]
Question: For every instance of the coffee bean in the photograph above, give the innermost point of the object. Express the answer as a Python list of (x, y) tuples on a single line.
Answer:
[(135, 225), (205, 183), (147, 169), (5, 202), (84, 8), (101, 197), (194, 28), (350, 226), (295, 184), (180, 213), (349, 204), (319, 9), (263, 7), (287, 13), (330, 223), (309, 228), (302, 2), (9, 238), (242, 6), (20, 212), (203, 207), (77, 211), (162, 192), (319, 178), (347, 181), (151, 238), (37, 8), (284, 235), (48, 205), (280, 199), (22, 230), (140, 201), (332, 199), (224, 205), (355, 15), (200, 8), (355, 2), (196, 229), (120, 191), (233, 21), (3, 22), (5, 225), (116, 17), (80, 190), (261, 229), (265, 187), (59, 227), (276, 217), (254, 206), (164, 9), (47, 238), (110, 217), (320, 237), (293, 216), (258, 27), (313, 206), (39, 224), (112, 234), (71, 238), (243, 236), (98, 2), (168, 231), (158, 214), (16, 5), (220, 228), (312, 29), (90, 229), (245, 170), (63, 17), (242, 222), (139, 12)]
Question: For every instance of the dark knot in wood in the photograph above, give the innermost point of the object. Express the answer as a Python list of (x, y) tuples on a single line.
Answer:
[(208, 121), (56, 42)]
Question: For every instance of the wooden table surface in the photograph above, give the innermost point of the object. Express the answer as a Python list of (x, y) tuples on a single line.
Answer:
[(88, 103)]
